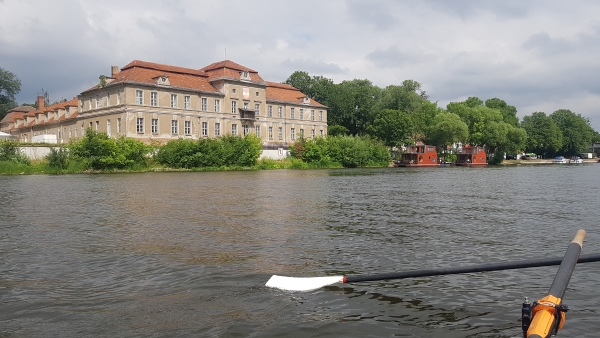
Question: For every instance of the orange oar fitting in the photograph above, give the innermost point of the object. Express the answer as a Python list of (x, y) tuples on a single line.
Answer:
[(548, 317)]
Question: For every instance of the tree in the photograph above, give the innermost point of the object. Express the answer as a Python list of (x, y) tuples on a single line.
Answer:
[(422, 119), (446, 129), (393, 127), (407, 97), (543, 135), (350, 105), (317, 87), (10, 86), (576, 131), (509, 113)]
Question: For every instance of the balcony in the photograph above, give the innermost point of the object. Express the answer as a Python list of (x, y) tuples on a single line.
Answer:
[(246, 114)]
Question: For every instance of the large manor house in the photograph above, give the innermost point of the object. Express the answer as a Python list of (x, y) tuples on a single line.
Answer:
[(156, 102)]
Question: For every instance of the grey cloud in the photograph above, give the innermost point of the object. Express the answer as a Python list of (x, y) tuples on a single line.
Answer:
[(543, 44), (313, 67), (397, 56), (374, 12), (466, 9)]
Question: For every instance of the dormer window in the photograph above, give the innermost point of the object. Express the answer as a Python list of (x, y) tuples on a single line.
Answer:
[(162, 80), (305, 100), (244, 75)]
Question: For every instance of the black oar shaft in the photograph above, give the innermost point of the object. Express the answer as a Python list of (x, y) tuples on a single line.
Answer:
[(530, 263)]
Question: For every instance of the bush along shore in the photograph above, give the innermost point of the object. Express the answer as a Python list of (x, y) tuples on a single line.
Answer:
[(96, 152)]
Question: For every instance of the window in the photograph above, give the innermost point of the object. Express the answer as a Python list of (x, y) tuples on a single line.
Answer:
[(312, 133), (96, 102), (301, 133), (234, 129), (187, 127), (174, 125), (257, 130), (270, 130), (118, 125), (204, 104), (320, 115), (292, 113), (321, 132), (107, 128), (233, 107), (204, 128), (140, 125), (75, 129), (82, 130), (154, 126), (186, 102), (280, 131), (139, 97), (97, 125), (270, 111), (107, 99), (246, 129), (70, 135), (217, 129), (118, 97), (90, 103), (173, 100), (312, 115), (233, 90), (217, 105), (154, 99), (279, 112), (257, 108), (257, 94), (293, 133), (301, 113)]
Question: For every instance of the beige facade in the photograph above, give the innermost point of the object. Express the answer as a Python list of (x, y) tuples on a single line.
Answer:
[(59, 120), (155, 102), (150, 101)]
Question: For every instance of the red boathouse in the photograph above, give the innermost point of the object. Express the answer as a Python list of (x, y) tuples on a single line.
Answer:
[(418, 156), (471, 156)]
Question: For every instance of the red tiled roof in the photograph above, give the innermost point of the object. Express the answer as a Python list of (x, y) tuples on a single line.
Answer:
[(147, 72), (227, 64), (12, 116), (230, 69), (164, 68), (286, 93), (22, 109)]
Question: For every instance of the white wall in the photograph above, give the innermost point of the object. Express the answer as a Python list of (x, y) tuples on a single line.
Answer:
[(35, 153), (274, 154)]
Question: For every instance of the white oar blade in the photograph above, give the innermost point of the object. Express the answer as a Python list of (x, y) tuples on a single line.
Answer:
[(302, 283)]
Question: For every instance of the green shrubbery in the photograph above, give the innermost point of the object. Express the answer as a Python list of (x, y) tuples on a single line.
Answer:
[(225, 151), (349, 151), (10, 152), (99, 152)]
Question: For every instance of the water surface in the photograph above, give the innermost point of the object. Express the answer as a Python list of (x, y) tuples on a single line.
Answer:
[(187, 254)]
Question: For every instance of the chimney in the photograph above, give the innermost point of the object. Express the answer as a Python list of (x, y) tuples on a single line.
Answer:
[(40, 102), (114, 70)]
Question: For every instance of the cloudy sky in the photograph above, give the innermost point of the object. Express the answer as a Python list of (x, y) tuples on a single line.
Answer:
[(535, 55)]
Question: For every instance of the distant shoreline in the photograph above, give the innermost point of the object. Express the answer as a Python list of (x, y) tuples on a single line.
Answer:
[(545, 161)]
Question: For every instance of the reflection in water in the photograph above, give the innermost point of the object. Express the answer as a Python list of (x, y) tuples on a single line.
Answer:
[(187, 254)]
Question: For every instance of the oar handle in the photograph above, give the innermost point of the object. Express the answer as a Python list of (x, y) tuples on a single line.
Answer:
[(579, 236)]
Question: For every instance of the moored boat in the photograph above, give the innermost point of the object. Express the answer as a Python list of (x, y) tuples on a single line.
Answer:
[(418, 156), (560, 159), (471, 156)]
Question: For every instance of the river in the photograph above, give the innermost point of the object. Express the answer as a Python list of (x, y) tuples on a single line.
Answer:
[(188, 254)]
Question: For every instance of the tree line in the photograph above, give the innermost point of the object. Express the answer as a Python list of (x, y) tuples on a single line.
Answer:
[(403, 114)]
